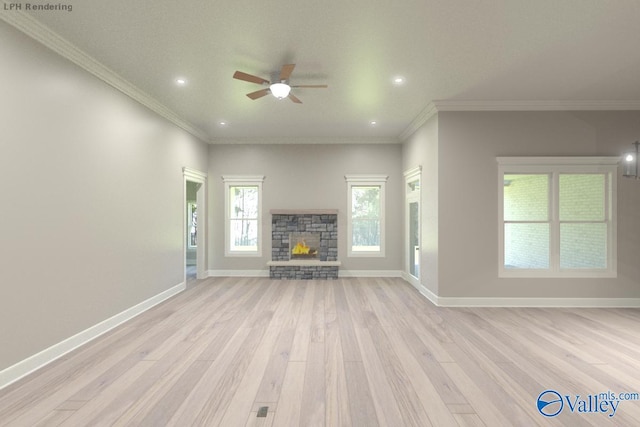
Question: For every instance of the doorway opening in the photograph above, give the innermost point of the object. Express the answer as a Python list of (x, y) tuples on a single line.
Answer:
[(194, 241), (191, 258), (412, 221)]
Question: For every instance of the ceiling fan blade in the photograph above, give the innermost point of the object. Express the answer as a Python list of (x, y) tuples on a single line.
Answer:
[(258, 94), (312, 86), (294, 99), (249, 78), (286, 71)]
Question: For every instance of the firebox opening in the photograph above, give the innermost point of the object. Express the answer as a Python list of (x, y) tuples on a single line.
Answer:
[(304, 245)]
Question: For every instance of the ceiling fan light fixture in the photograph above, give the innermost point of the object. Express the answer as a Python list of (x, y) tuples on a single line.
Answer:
[(280, 90)]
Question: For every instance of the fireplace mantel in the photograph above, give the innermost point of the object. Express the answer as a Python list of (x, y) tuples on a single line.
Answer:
[(304, 263), (303, 211)]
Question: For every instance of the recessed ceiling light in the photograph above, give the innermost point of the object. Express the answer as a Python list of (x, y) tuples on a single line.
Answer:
[(222, 123), (180, 81), (373, 122), (398, 80)]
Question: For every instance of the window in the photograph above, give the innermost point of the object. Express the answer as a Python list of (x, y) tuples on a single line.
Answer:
[(557, 216), (365, 221), (243, 206)]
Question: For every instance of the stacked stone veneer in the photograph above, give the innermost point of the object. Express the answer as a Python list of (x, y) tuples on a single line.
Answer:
[(303, 272), (283, 224)]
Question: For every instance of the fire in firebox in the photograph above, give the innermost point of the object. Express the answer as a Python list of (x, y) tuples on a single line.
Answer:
[(301, 248), (306, 246)]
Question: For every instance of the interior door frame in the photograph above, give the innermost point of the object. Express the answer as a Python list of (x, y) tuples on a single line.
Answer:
[(193, 175), (411, 175)]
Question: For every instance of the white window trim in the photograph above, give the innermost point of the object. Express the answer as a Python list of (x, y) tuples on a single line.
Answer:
[(240, 180), (358, 181), (554, 166)]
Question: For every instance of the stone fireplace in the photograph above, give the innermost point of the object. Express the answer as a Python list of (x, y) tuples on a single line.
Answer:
[(304, 244)]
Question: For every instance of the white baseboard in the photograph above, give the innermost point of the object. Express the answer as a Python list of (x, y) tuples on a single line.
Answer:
[(421, 288), (37, 361), (520, 302), (538, 302), (341, 273), (428, 294), (369, 273), (238, 273), (461, 301), (412, 280)]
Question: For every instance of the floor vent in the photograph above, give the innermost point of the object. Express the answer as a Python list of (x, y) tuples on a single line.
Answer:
[(262, 412)]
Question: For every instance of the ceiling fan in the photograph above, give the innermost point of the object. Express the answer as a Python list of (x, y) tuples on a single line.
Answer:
[(278, 87)]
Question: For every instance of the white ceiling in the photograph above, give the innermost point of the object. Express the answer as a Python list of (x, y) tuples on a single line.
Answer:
[(452, 50)]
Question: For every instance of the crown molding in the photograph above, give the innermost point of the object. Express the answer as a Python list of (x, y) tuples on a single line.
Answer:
[(549, 105), (562, 160), (42, 34), (303, 140), (554, 105), (429, 111)]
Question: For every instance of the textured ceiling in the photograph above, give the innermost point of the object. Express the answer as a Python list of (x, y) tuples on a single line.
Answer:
[(452, 50)]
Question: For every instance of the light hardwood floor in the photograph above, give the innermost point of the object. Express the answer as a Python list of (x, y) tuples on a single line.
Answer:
[(348, 352)]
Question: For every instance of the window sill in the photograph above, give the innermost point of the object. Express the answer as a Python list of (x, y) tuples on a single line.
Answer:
[(243, 254), (529, 274), (365, 255)]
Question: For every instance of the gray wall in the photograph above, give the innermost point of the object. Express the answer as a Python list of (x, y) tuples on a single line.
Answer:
[(92, 199), (468, 144), (306, 177)]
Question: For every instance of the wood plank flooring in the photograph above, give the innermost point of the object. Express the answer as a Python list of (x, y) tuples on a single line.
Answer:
[(348, 352)]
